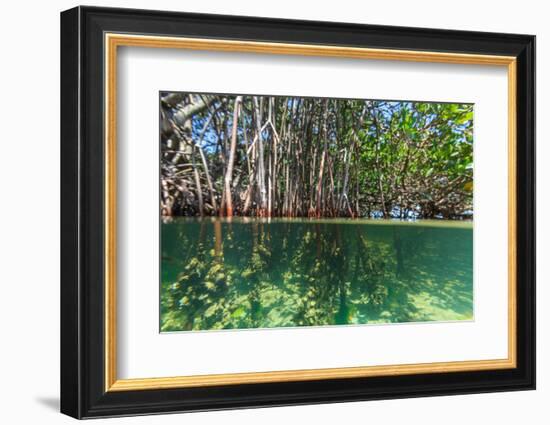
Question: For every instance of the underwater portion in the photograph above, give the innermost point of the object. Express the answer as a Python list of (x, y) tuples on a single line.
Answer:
[(243, 273)]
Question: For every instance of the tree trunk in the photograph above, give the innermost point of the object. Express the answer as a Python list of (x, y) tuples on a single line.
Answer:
[(229, 170), (322, 164), (261, 165)]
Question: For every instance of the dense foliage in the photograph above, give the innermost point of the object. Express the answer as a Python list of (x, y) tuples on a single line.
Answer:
[(311, 157)]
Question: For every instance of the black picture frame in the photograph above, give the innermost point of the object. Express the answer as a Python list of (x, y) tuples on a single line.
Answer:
[(83, 392)]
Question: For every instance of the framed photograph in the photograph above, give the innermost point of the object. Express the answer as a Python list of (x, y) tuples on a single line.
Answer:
[(261, 212)]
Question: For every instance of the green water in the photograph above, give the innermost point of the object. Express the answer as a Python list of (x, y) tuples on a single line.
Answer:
[(249, 273)]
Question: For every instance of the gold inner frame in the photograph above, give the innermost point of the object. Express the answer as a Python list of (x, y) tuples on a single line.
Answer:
[(113, 41)]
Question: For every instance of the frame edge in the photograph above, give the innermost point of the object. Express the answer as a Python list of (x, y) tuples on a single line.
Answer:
[(70, 381)]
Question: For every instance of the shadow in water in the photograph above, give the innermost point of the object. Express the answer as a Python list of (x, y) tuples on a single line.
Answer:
[(250, 273)]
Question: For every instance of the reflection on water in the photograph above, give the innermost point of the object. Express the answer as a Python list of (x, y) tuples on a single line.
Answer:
[(217, 274)]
